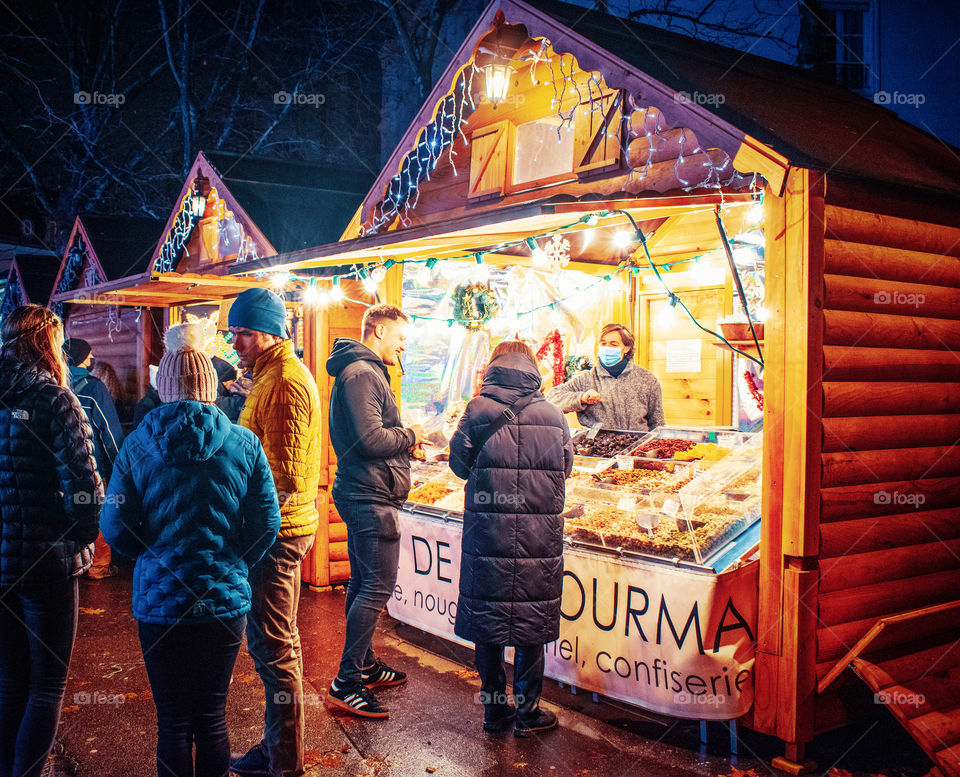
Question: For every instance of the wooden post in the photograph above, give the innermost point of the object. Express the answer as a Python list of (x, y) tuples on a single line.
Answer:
[(316, 566), (789, 545)]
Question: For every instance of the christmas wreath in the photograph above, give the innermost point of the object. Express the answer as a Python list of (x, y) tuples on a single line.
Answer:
[(474, 304)]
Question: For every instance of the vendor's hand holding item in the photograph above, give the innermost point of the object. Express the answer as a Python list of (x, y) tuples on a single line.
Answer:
[(616, 392)]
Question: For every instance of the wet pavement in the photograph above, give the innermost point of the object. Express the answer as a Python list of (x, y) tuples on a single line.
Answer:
[(108, 725)]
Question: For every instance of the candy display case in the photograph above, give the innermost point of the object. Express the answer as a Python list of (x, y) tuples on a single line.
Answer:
[(678, 443), (433, 485), (667, 509), (724, 500)]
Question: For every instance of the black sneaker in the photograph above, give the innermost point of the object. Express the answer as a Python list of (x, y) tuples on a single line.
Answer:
[(358, 700), (380, 675), (256, 763), (544, 721), (498, 717)]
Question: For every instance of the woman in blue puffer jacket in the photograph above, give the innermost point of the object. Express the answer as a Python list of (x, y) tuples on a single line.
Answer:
[(193, 501), (511, 562), (50, 496)]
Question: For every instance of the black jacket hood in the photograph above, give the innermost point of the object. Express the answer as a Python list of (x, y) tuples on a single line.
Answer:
[(345, 351)]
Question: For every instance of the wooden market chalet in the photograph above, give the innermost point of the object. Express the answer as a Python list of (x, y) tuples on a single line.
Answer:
[(121, 279), (858, 548), (860, 216)]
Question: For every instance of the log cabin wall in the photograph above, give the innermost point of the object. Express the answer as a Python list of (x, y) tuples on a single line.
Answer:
[(861, 422), (890, 515)]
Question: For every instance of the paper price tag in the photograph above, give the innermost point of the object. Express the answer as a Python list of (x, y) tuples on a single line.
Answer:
[(624, 462), (671, 507), (627, 504)]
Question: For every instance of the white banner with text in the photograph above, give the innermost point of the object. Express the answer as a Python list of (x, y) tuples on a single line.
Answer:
[(675, 641)]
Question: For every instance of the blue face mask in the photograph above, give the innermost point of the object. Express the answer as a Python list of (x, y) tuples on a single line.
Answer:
[(608, 355)]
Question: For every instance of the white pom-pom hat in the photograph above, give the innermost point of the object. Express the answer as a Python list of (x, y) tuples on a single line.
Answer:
[(185, 371)]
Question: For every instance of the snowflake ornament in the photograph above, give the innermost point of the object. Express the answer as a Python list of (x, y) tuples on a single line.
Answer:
[(558, 251)]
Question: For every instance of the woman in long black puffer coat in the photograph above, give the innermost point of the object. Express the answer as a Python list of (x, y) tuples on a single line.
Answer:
[(50, 496), (511, 572)]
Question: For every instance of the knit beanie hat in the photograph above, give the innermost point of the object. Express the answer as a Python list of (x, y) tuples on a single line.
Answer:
[(260, 310), (185, 371), (77, 350)]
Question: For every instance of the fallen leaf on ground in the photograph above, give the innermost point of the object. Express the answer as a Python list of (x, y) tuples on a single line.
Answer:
[(92, 611)]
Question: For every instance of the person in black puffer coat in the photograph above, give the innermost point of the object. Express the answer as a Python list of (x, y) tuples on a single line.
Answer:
[(50, 496), (511, 569)]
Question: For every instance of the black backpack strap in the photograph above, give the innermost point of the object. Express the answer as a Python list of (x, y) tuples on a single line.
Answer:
[(505, 417)]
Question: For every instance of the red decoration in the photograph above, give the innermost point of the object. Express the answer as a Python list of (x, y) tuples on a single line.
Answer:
[(755, 392), (555, 342)]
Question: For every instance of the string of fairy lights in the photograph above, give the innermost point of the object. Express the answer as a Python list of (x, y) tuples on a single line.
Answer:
[(437, 138), (315, 291)]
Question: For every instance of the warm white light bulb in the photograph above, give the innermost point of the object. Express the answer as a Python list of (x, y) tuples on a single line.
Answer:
[(666, 316), (540, 257), (370, 285), (622, 239), (378, 274), (425, 276), (278, 280), (336, 293), (310, 295)]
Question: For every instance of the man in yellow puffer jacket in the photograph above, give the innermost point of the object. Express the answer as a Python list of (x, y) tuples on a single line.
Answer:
[(283, 410)]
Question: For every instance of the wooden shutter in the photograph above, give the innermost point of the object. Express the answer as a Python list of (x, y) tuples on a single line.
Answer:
[(599, 129), (488, 161)]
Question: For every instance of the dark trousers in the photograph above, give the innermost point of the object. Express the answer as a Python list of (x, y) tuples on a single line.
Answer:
[(37, 629), (189, 667), (273, 640), (373, 546), (527, 678)]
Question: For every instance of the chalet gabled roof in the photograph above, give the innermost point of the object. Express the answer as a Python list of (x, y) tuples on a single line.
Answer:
[(770, 116), (815, 124)]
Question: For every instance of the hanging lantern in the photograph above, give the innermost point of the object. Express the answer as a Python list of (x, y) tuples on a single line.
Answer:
[(197, 204), (493, 56), (497, 81)]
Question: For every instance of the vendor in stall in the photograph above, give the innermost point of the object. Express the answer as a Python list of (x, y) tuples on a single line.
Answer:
[(616, 393)]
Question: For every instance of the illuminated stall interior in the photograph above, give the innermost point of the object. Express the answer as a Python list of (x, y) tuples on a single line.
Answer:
[(599, 138)]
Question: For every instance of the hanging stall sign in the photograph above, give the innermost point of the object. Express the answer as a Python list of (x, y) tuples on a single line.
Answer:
[(675, 641)]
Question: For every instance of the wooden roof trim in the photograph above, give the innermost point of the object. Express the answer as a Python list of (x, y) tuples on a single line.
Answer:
[(465, 234), (78, 227), (215, 181), (711, 130), (155, 289)]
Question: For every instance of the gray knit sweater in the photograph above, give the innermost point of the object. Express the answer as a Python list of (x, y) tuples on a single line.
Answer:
[(633, 401)]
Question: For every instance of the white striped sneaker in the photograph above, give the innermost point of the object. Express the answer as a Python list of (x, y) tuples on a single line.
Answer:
[(358, 700), (380, 675)]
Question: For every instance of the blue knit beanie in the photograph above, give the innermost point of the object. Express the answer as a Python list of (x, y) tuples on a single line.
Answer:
[(260, 310)]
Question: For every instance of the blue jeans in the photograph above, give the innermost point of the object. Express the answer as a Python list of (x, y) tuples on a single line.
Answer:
[(373, 545), (527, 678), (273, 640), (189, 667), (37, 630)]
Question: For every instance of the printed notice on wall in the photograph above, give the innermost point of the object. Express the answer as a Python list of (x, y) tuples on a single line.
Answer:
[(683, 355)]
